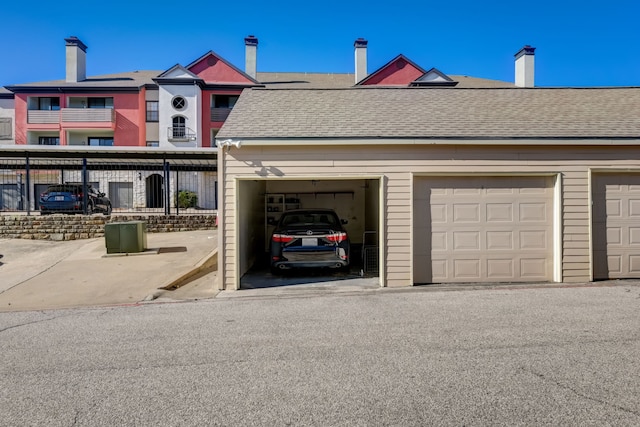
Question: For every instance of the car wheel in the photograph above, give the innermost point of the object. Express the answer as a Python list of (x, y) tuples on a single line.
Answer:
[(89, 208), (108, 211)]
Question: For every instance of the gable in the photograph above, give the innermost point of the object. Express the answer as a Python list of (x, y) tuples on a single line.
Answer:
[(212, 68), (178, 72), (400, 71), (434, 77)]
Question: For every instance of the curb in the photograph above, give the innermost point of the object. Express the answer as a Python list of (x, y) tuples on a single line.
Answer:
[(209, 262)]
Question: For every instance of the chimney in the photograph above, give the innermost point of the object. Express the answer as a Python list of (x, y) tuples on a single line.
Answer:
[(76, 60), (525, 67), (251, 56), (361, 59)]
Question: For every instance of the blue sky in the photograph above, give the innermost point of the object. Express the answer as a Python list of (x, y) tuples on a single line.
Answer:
[(578, 43)]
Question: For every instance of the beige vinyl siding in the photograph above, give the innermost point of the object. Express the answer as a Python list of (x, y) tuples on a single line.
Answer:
[(399, 163), (576, 261)]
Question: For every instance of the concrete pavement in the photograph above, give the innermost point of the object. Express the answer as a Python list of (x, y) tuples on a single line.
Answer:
[(37, 274), (177, 266)]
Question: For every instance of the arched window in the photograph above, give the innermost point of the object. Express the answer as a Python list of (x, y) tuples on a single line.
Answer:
[(179, 127)]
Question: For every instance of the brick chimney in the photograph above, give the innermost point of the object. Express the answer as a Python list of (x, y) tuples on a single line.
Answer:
[(525, 67), (361, 58), (251, 56), (76, 60)]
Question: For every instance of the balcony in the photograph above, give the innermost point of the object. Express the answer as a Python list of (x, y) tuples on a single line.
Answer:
[(83, 115), (220, 114), (43, 116), (72, 115), (180, 134)]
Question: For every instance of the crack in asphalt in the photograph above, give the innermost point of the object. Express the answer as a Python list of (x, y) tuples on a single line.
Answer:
[(582, 395), (19, 325)]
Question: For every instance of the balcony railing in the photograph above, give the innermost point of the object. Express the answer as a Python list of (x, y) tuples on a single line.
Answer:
[(81, 115), (219, 114), (180, 134), (43, 116), (72, 115)]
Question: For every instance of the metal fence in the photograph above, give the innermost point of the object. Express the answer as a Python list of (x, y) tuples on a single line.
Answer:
[(134, 182)]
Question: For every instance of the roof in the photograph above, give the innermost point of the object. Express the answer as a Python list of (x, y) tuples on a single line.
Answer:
[(133, 79), (435, 113), (306, 80)]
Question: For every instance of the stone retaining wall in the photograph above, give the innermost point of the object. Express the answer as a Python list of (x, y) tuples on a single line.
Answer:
[(74, 227)]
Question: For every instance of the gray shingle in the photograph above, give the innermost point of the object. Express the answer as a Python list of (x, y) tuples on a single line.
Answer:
[(436, 113)]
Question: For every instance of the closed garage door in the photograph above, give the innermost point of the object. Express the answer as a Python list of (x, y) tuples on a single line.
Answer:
[(616, 226), (483, 229)]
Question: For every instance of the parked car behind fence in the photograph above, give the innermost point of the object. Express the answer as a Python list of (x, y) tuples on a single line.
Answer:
[(69, 198)]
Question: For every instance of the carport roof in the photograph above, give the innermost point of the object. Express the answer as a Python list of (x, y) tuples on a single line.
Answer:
[(436, 113)]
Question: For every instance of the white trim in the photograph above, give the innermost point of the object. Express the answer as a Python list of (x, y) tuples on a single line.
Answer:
[(506, 141), (557, 229)]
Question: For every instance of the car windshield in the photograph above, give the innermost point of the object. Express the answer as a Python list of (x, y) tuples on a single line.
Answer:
[(64, 189), (309, 218)]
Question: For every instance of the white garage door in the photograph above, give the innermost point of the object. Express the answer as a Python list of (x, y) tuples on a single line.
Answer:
[(616, 226), (483, 229)]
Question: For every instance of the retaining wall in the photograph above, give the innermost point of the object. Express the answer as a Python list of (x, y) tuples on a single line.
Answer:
[(74, 227)]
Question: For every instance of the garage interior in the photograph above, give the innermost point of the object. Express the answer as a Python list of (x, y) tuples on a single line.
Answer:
[(261, 202)]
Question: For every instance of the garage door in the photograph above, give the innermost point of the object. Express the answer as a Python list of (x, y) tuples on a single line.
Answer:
[(616, 226), (483, 229)]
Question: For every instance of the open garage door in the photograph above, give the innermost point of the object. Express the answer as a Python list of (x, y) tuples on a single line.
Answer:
[(261, 202), (616, 226), (483, 229)]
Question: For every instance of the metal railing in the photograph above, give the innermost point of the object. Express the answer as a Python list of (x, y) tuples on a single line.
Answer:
[(81, 115), (71, 115), (180, 133), (175, 184), (220, 114)]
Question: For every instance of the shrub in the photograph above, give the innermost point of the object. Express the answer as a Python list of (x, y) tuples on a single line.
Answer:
[(187, 199)]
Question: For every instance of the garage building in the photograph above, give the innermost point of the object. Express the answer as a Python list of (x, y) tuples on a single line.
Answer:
[(457, 185)]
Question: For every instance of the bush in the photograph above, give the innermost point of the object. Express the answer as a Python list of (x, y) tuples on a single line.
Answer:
[(187, 199)]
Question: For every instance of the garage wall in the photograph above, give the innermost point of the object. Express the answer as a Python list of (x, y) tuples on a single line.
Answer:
[(251, 215), (400, 163), (346, 197)]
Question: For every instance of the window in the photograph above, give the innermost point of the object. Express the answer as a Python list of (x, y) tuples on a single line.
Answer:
[(152, 111), (100, 102), (179, 127), (179, 103), (224, 101), (49, 140), (153, 144), (100, 141), (49, 104), (5, 128)]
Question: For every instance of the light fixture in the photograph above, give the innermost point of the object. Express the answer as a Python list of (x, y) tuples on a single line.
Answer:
[(228, 143)]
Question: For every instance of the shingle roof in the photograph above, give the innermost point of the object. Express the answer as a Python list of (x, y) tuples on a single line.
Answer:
[(435, 113), (275, 80), (306, 80), (133, 79)]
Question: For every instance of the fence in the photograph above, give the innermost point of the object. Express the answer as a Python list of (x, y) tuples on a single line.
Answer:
[(134, 181)]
